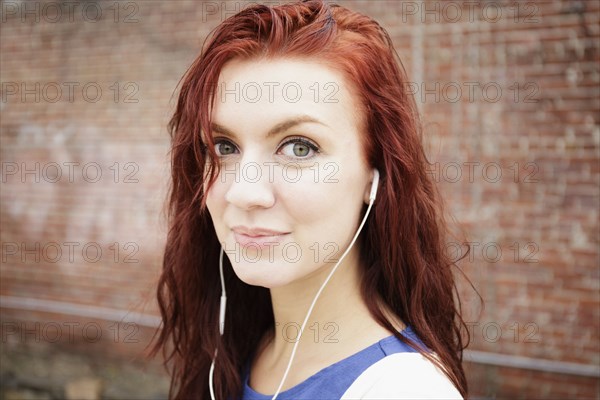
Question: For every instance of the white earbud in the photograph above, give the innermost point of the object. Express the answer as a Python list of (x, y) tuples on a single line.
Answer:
[(374, 185)]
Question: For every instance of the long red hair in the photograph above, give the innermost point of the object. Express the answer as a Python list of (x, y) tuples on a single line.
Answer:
[(402, 245)]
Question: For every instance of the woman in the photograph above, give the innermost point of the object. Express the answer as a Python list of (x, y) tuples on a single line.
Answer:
[(337, 286)]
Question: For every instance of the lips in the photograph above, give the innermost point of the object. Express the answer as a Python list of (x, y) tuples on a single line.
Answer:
[(258, 237)]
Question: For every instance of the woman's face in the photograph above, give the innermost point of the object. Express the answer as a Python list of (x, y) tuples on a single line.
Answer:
[(293, 177)]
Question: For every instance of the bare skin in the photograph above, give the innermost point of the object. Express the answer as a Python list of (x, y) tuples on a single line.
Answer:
[(357, 331)]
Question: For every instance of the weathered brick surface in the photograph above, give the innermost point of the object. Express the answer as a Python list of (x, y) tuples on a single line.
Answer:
[(510, 98)]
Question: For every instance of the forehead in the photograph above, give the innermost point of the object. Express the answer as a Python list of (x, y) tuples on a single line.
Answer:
[(262, 91)]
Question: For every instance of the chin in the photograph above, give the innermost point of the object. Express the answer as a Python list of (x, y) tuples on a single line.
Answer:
[(253, 274)]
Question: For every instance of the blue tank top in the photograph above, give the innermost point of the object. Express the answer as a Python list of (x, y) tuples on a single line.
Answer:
[(332, 382)]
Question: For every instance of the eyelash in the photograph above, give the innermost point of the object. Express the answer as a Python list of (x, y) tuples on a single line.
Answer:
[(296, 139)]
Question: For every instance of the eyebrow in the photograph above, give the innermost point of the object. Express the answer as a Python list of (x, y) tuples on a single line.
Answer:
[(280, 127)]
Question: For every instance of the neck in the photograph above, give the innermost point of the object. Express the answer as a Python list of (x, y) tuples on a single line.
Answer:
[(336, 317)]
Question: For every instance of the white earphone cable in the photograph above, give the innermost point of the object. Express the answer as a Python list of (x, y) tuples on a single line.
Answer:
[(222, 308), (317, 296)]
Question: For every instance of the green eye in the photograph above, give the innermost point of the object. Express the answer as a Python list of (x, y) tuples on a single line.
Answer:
[(224, 148), (299, 148)]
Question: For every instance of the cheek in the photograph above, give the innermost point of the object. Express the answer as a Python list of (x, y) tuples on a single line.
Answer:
[(323, 208), (215, 202)]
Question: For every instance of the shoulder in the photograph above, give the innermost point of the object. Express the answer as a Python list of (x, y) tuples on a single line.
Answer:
[(402, 376)]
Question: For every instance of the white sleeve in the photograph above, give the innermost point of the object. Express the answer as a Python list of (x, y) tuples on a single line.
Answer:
[(402, 376)]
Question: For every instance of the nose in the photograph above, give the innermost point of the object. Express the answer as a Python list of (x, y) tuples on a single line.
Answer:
[(250, 186)]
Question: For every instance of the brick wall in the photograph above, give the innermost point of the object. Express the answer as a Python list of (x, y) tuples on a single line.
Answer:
[(510, 97)]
